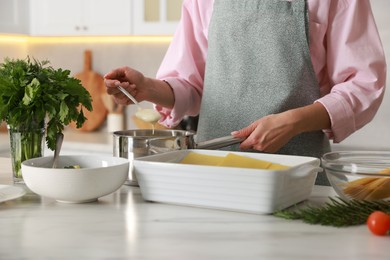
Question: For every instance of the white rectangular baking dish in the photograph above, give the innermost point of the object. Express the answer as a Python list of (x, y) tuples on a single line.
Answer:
[(163, 179)]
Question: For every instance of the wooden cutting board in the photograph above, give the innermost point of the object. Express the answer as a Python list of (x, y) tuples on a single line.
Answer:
[(3, 126), (94, 83)]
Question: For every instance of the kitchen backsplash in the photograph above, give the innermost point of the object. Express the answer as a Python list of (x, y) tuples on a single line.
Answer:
[(147, 56)]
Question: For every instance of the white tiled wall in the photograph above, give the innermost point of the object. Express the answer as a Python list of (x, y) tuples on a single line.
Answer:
[(145, 57), (12, 50)]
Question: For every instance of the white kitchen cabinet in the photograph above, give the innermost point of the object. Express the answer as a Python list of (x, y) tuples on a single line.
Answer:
[(89, 17), (14, 16), (80, 17), (156, 17)]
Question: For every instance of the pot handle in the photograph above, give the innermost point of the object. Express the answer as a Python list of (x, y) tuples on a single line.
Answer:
[(219, 142)]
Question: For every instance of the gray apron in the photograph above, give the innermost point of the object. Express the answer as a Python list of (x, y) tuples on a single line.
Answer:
[(258, 64)]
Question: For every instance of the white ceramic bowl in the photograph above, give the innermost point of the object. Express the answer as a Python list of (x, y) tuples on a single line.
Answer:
[(97, 177)]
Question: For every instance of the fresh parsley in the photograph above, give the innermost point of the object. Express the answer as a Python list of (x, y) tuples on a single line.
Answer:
[(34, 93)]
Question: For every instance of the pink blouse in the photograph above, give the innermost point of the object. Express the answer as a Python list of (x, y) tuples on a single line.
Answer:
[(346, 53)]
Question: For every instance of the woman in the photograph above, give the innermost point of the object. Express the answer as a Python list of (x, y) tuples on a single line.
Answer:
[(284, 75)]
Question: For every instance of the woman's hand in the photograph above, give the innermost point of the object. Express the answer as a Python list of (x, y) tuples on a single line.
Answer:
[(140, 87), (270, 133), (133, 81)]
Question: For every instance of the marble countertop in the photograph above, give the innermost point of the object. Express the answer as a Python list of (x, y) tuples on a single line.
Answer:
[(124, 226)]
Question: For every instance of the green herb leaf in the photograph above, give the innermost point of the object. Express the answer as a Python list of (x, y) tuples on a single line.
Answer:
[(337, 212), (32, 93)]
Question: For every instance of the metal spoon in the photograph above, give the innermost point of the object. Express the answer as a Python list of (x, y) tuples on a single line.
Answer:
[(60, 138), (124, 91)]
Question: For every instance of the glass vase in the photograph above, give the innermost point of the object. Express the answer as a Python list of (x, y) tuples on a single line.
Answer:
[(26, 143)]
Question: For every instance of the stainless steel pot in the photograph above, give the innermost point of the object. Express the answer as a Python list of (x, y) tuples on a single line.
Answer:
[(132, 144)]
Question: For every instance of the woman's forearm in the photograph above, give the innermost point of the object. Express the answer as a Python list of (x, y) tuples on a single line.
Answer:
[(309, 118), (160, 93)]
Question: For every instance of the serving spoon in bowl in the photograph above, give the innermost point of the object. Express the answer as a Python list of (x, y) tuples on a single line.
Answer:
[(60, 138)]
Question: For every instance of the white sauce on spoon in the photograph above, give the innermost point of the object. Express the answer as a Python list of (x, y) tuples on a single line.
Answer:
[(148, 115), (145, 114)]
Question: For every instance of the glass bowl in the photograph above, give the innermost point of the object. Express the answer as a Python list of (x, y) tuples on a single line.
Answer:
[(359, 175)]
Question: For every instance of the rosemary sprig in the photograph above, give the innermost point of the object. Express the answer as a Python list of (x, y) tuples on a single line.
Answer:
[(337, 212)]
